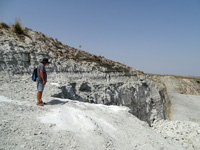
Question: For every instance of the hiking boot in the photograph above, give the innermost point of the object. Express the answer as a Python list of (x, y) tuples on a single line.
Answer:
[(43, 102), (40, 104)]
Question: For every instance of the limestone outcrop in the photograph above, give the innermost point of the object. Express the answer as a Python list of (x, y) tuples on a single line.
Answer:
[(179, 84), (83, 76)]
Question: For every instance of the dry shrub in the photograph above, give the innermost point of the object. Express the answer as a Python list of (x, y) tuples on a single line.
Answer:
[(4, 25), (18, 29)]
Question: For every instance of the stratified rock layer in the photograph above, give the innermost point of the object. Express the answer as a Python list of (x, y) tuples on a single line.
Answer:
[(83, 76)]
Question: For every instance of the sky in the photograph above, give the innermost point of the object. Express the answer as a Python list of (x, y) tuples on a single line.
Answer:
[(154, 36)]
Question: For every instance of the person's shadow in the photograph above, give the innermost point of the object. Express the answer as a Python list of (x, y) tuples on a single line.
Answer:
[(56, 102)]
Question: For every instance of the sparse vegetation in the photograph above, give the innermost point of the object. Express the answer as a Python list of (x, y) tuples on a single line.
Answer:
[(65, 51), (184, 77), (4, 25), (18, 29), (175, 76)]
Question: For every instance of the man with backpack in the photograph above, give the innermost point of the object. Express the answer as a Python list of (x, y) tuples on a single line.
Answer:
[(41, 80)]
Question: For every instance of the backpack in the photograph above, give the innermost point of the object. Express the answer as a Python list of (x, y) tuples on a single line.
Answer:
[(34, 75)]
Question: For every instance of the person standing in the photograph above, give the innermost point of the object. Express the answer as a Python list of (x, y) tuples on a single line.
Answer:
[(41, 80)]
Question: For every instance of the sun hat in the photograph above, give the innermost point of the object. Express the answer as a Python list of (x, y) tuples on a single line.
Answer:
[(45, 60)]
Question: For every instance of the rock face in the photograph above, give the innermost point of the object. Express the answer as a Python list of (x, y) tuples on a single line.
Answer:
[(83, 76), (179, 84)]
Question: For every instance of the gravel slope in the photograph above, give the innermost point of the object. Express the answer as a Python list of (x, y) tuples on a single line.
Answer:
[(66, 124)]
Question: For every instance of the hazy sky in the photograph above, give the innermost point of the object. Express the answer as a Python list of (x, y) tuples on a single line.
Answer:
[(155, 36)]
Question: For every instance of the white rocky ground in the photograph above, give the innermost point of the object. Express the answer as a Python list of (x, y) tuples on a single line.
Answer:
[(185, 107), (66, 124)]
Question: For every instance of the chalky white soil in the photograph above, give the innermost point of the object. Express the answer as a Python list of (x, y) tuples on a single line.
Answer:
[(65, 124), (185, 107)]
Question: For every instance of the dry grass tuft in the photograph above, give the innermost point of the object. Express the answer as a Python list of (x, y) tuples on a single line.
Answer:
[(19, 31), (17, 28), (4, 25)]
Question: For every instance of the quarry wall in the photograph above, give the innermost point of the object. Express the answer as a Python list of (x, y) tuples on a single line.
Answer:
[(83, 76)]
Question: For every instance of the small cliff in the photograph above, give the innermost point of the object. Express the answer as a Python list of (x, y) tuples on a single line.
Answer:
[(80, 75)]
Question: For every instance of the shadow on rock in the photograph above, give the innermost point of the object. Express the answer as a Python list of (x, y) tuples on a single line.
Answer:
[(56, 102)]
